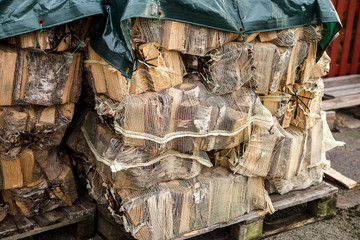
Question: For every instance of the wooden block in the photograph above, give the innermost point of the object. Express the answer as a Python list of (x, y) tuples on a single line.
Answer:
[(48, 115), (247, 231), (12, 176), (330, 118), (23, 223), (8, 227), (323, 208), (8, 59), (160, 79), (248, 36), (298, 54), (48, 218), (309, 63), (27, 161), (335, 176), (38, 82), (267, 36)]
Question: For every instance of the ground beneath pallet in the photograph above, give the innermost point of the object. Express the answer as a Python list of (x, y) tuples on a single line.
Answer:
[(344, 226)]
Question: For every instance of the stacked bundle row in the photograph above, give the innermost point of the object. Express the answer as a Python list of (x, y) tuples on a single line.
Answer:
[(206, 121), (40, 82)]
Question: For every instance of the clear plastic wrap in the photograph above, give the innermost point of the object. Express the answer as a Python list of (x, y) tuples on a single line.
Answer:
[(185, 118), (130, 167), (254, 158), (29, 126), (38, 181), (182, 37), (230, 67), (175, 209), (301, 160)]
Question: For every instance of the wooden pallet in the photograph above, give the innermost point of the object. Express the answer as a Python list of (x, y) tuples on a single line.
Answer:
[(341, 92), (320, 200), (80, 215)]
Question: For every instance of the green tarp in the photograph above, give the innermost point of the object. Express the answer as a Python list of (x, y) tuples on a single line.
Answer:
[(112, 37)]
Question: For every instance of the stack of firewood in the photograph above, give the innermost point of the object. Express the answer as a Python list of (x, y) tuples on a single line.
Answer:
[(40, 82), (207, 120)]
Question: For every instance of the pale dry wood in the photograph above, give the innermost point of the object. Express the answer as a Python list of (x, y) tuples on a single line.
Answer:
[(267, 36), (8, 58), (38, 82), (336, 176), (309, 63), (248, 36), (48, 115), (27, 161), (160, 79), (298, 54), (12, 176)]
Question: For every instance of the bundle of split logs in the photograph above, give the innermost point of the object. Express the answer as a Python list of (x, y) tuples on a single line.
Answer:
[(207, 125), (40, 82), (207, 120)]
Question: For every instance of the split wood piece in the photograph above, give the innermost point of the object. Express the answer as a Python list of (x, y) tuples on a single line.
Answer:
[(248, 36), (257, 156), (321, 68), (182, 37), (267, 36), (309, 63), (266, 58), (158, 220), (52, 185), (106, 79), (56, 38), (276, 103), (24, 126), (166, 68), (298, 54), (336, 176), (229, 69), (37, 82)]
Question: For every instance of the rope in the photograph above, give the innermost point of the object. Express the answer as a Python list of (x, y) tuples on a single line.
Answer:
[(153, 38), (72, 54), (36, 43)]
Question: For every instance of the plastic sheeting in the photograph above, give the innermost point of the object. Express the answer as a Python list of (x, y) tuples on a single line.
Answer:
[(112, 39)]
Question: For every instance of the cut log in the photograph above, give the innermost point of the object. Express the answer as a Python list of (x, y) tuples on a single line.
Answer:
[(37, 81), (309, 64), (336, 176)]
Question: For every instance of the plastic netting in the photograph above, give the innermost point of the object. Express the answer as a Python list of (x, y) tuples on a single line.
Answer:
[(185, 118), (174, 209), (130, 167)]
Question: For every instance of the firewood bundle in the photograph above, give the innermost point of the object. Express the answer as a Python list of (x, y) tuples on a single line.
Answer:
[(206, 119), (40, 82)]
